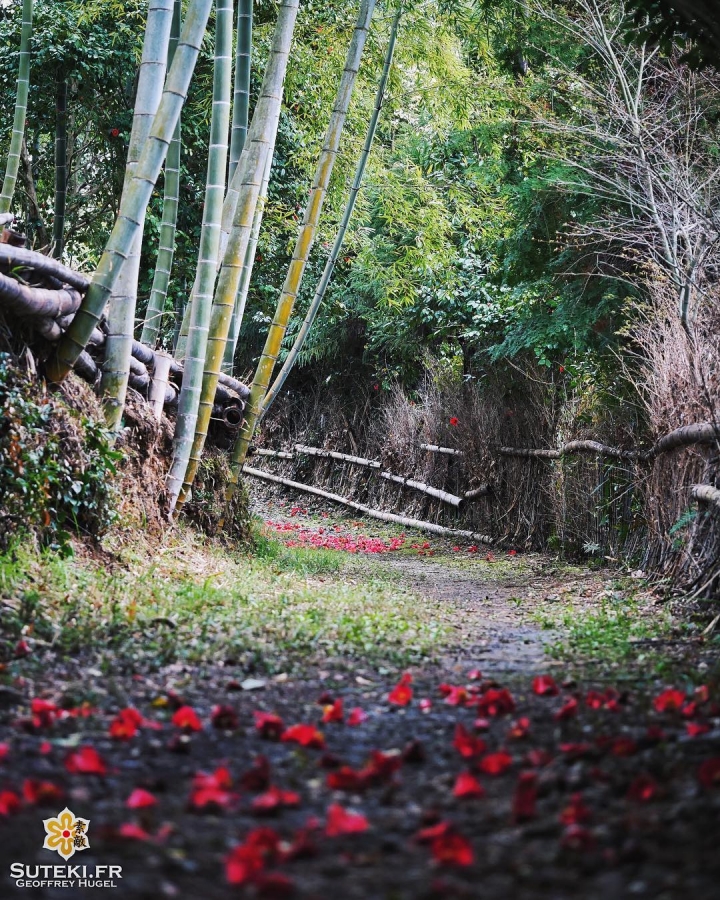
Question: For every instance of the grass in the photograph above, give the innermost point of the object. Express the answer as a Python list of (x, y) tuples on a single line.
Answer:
[(190, 601)]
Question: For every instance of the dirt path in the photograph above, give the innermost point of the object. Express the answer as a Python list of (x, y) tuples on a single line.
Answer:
[(344, 778)]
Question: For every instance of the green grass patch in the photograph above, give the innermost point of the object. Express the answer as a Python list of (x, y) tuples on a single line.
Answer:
[(196, 602)]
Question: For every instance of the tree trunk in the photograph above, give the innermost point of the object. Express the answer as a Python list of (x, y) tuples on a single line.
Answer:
[(241, 98), (61, 166)]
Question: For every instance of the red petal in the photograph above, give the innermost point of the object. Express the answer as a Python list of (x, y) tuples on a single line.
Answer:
[(187, 719), (269, 725), (224, 717), (468, 786), (642, 789), (356, 716), (139, 799), (545, 686), (452, 849), (567, 710), (467, 744), (305, 735), (86, 761), (496, 763), (341, 821), (670, 700), (333, 712)]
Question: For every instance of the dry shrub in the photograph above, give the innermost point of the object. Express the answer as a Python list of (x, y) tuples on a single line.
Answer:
[(680, 385)]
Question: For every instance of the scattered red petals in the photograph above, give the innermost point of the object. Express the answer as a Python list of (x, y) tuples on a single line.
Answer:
[(545, 686), (670, 700), (525, 798), (125, 725), (519, 729), (567, 710), (140, 799), (575, 812), (212, 790), (466, 744), (642, 789), (496, 763), (269, 725), (452, 849), (9, 803), (186, 718), (257, 777), (709, 773), (467, 785), (333, 712), (273, 800), (85, 761), (695, 729), (41, 793), (224, 718), (402, 693), (495, 702), (356, 716), (305, 735), (342, 821)]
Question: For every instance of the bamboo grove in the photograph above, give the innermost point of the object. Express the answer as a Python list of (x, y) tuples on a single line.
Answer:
[(240, 156)]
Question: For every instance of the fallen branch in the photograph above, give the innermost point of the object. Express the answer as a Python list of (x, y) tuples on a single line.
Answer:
[(37, 302), (433, 448), (14, 257), (444, 496), (367, 511), (705, 493), (274, 454), (482, 491)]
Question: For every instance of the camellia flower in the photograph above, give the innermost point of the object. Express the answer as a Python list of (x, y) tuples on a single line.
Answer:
[(466, 744), (305, 735), (125, 724), (342, 821), (9, 803), (642, 789), (519, 729), (257, 777), (402, 693), (356, 716), (86, 761), (212, 790), (496, 763), (670, 700), (274, 799), (495, 702), (41, 793), (567, 710), (544, 686), (575, 812), (467, 785), (333, 712), (140, 799), (454, 421), (224, 718), (187, 719), (269, 725)]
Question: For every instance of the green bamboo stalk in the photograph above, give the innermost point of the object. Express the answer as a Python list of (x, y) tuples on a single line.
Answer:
[(134, 201), (171, 200), (121, 308), (342, 231), (248, 178), (21, 102), (202, 294), (245, 276), (61, 172), (293, 280), (241, 100)]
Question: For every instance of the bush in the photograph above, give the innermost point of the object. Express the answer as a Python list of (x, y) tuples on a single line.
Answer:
[(57, 467)]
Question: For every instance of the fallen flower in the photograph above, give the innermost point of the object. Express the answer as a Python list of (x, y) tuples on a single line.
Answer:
[(224, 718), (305, 735), (125, 724), (425, 704), (709, 773), (257, 777), (519, 729), (186, 718), (402, 693), (140, 799), (467, 785), (466, 744), (495, 702), (212, 790), (347, 779), (452, 849), (575, 812), (342, 821), (525, 798), (356, 716), (274, 799), (496, 763), (695, 729), (454, 421), (670, 700), (642, 789), (567, 710), (41, 793), (269, 725), (85, 761), (333, 712), (538, 758), (545, 686)]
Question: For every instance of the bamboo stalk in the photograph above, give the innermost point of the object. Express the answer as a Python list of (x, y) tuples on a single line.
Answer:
[(241, 94), (61, 172), (123, 299), (304, 243), (366, 510), (433, 448), (202, 294), (343, 457), (14, 257), (273, 454), (482, 491), (171, 199), (158, 387), (134, 205), (21, 102), (248, 180), (329, 269)]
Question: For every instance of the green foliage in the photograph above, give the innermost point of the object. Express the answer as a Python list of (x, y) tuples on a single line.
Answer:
[(56, 467)]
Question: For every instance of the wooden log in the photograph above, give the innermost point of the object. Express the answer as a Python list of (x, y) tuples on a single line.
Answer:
[(700, 433), (444, 496), (14, 257), (366, 510), (161, 375), (706, 493), (482, 491), (448, 451)]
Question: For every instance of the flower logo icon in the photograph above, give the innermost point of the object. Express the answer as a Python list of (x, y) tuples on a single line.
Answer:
[(66, 833)]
